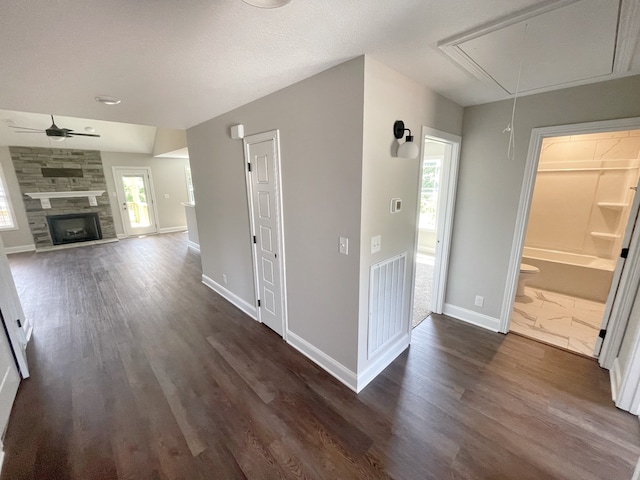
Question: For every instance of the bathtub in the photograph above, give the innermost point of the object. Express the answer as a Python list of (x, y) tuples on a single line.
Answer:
[(574, 274)]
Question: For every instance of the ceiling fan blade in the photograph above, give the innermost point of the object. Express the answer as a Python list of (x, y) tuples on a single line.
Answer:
[(26, 128), (72, 134), (29, 131)]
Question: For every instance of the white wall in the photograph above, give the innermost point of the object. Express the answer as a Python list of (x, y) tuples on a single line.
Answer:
[(489, 183), (390, 96), (21, 238), (320, 124), (168, 178)]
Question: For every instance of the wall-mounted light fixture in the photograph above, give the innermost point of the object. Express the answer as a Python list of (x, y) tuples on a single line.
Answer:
[(408, 149)]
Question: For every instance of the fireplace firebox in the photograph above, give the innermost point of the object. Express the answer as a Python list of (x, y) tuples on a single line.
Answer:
[(74, 227)]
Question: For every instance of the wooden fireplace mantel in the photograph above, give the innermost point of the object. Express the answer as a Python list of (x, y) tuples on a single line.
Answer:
[(45, 197)]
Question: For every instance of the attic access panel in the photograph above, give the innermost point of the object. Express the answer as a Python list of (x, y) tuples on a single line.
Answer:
[(558, 44)]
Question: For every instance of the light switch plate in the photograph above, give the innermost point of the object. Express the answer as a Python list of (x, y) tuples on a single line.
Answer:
[(343, 245), (376, 243)]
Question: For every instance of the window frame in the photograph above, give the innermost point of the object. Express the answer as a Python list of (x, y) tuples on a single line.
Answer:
[(4, 192), (189, 179)]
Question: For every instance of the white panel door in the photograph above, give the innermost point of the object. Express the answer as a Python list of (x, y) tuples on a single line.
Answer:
[(263, 182), (135, 196)]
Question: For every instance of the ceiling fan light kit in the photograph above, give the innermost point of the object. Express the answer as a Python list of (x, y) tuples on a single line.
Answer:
[(54, 132)]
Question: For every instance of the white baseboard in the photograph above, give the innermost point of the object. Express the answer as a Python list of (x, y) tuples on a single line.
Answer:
[(1, 458), (231, 297), (327, 363), (20, 249), (382, 361), (182, 228), (120, 236), (193, 246), (614, 378), (474, 318)]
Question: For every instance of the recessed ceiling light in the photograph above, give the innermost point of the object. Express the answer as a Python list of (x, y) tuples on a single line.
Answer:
[(89, 129), (108, 100), (267, 3)]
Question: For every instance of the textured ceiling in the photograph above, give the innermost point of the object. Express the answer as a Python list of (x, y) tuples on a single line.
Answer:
[(177, 64)]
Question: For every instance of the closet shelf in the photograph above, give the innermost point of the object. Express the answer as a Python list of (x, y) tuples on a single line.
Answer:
[(612, 205), (607, 236)]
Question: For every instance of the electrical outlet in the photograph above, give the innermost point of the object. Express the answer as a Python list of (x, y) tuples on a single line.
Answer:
[(224, 278), (479, 301)]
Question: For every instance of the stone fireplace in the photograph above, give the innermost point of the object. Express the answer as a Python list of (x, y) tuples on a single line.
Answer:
[(58, 183)]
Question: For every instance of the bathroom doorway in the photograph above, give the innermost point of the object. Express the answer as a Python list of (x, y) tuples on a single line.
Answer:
[(436, 194), (581, 215)]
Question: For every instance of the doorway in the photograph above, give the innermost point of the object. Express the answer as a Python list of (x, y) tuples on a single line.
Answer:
[(576, 215), (262, 154), (436, 198), (134, 189)]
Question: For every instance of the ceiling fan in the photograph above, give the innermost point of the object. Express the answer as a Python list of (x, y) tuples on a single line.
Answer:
[(54, 131)]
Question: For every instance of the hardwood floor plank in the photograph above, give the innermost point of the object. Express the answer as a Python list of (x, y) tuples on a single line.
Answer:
[(140, 372)]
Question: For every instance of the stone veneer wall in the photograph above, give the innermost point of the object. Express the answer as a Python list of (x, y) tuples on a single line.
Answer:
[(28, 163)]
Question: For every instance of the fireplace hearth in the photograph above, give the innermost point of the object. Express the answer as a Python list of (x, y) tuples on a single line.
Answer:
[(74, 227)]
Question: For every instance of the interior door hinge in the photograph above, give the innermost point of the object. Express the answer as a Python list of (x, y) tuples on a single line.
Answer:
[(624, 253), (258, 303), (602, 334), (254, 239), (19, 324), (249, 166)]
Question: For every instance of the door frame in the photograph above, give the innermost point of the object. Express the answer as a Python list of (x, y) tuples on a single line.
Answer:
[(446, 207), (273, 135), (617, 325), (152, 196)]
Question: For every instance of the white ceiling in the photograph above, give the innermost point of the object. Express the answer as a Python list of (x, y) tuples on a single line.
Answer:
[(176, 64)]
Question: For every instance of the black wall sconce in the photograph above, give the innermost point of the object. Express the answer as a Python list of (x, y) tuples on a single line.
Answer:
[(408, 149)]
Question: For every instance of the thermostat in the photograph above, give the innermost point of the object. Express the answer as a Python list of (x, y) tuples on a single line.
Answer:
[(396, 205)]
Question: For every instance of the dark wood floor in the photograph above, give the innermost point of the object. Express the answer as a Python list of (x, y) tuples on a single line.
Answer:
[(141, 372)]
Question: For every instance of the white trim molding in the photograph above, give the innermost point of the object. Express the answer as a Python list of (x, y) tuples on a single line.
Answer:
[(474, 318), (20, 249), (382, 361), (326, 362), (181, 228), (193, 246), (231, 297)]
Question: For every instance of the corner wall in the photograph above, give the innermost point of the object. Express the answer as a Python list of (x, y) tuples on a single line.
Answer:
[(489, 184), (390, 96), (320, 124)]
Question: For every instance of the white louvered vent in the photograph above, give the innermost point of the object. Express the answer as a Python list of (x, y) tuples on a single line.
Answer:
[(386, 294)]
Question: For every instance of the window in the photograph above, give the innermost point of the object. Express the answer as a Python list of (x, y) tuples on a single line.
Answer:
[(187, 171), (429, 194), (7, 221)]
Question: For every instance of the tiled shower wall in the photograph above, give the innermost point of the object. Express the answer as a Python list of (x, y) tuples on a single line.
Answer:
[(28, 163)]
